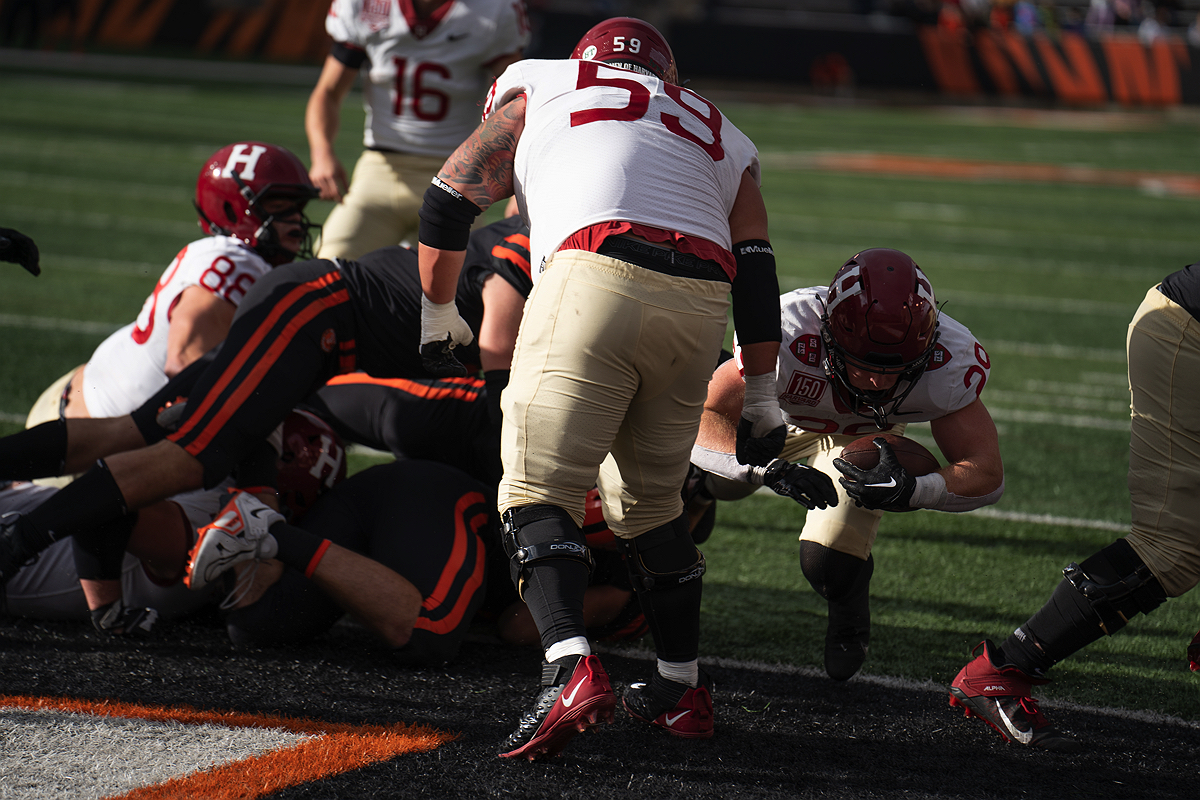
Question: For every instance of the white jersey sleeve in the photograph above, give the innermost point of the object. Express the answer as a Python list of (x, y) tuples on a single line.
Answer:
[(602, 143), (128, 367), (810, 400), (426, 79)]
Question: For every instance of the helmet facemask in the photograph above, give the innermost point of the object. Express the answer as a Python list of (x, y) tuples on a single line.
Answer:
[(268, 244), (879, 317), (881, 403)]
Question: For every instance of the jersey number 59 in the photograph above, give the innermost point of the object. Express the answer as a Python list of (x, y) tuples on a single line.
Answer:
[(639, 103)]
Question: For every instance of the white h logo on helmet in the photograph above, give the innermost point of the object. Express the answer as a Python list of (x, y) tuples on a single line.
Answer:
[(247, 160)]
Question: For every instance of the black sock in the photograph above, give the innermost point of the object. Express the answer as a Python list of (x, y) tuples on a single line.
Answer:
[(91, 499), (672, 608), (834, 575), (39, 452), (298, 548)]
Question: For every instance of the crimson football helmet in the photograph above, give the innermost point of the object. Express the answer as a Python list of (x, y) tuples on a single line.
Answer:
[(880, 316), (233, 185), (313, 461), (629, 43)]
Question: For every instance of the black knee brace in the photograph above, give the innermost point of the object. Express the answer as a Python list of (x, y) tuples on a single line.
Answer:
[(538, 533), (663, 558), (1117, 584)]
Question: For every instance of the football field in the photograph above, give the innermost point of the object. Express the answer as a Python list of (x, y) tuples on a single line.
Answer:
[(1040, 230)]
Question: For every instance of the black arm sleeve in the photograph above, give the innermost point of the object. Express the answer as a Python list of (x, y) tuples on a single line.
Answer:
[(756, 293), (353, 57)]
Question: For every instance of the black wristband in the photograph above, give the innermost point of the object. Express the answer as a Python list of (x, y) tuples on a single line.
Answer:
[(756, 316), (446, 217)]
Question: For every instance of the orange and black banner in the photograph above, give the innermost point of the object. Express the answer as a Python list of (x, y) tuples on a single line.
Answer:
[(1069, 69)]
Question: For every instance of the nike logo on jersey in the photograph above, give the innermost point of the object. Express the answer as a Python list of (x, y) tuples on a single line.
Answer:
[(890, 483), (566, 701), (672, 720), (1024, 737), (454, 37)]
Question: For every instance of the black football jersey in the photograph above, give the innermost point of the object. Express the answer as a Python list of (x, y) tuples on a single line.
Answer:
[(385, 290), (1183, 287)]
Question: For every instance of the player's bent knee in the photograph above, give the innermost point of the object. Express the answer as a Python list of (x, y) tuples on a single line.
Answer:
[(663, 558), (1117, 584), (540, 533)]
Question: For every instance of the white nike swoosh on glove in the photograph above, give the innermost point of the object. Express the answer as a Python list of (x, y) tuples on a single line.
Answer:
[(891, 482)]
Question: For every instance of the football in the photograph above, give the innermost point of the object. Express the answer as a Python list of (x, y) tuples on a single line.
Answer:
[(912, 455)]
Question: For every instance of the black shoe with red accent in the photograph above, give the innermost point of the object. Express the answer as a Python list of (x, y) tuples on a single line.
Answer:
[(576, 695), (677, 708), (1000, 696)]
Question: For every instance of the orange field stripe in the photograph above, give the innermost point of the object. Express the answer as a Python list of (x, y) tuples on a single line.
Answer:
[(336, 747), (962, 169)]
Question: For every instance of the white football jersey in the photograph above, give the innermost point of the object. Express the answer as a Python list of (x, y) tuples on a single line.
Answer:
[(602, 143), (957, 372), (425, 82), (127, 367)]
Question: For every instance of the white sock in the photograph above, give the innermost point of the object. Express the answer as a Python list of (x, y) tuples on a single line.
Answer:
[(687, 672), (575, 646)]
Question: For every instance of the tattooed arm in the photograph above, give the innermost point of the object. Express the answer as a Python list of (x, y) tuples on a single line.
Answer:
[(481, 169)]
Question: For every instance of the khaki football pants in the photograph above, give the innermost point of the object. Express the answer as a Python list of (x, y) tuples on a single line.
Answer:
[(1164, 446), (380, 208), (846, 528), (614, 358)]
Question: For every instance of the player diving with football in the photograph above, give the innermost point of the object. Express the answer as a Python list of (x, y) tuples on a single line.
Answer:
[(870, 353), (1159, 557)]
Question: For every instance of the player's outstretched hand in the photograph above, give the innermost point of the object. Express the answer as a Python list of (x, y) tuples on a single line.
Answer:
[(18, 248), (886, 486), (809, 487)]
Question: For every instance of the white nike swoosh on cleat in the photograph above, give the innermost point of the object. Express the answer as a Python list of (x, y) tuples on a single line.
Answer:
[(566, 701), (672, 720), (891, 482), (1024, 737)]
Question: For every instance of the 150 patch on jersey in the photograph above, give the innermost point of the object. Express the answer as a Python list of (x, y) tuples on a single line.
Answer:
[(940, 357), (804, 390), (807, 349)]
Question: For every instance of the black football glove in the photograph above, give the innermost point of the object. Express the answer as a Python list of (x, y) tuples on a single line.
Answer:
[(18, 248), (886, 486), (758, 451), (809, 487)]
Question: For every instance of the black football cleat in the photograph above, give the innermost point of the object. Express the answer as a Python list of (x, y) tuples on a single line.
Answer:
[(1000, 696), (677, 708), (576, 695)]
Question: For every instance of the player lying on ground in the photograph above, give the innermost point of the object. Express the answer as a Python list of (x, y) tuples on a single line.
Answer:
[(299, 326), (1159, 558), (868, 353)]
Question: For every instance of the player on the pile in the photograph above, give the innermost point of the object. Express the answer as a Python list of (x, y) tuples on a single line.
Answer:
[(250, 198), (428, 66), (299, 325), (1159, 558), (868, 354), (644, 208)]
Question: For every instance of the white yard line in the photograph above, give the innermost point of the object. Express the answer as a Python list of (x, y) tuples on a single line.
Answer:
[(57, 324)]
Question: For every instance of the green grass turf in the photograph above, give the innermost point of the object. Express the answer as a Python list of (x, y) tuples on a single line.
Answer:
[(100, 173)]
